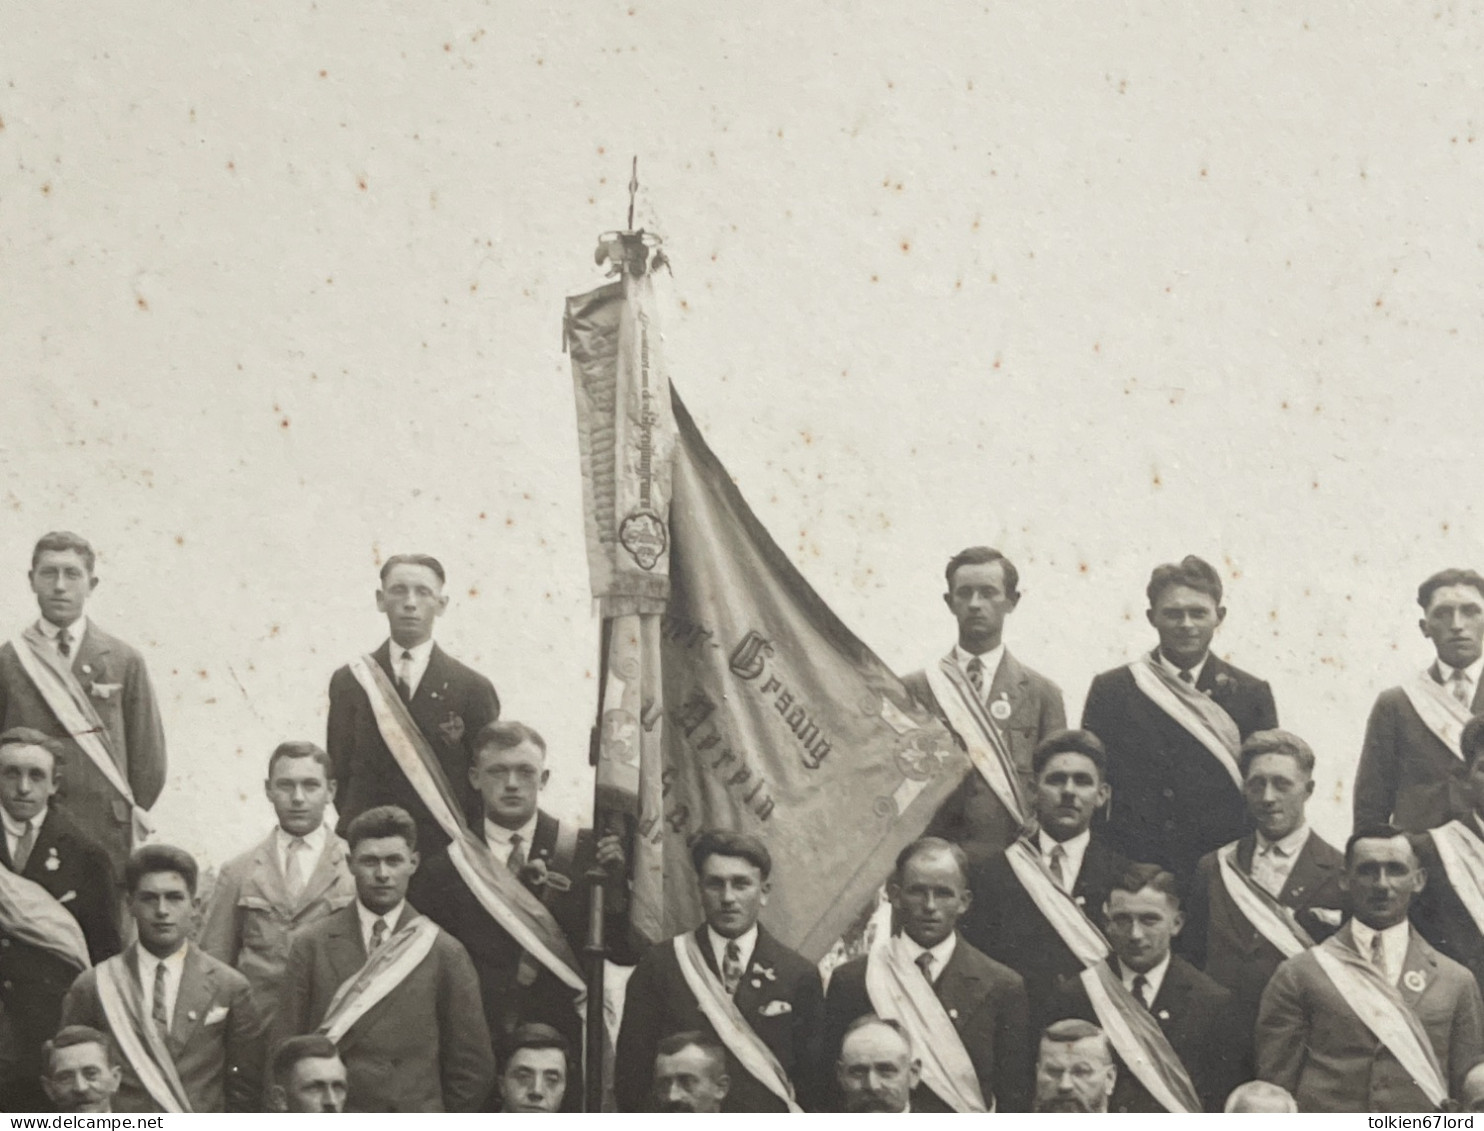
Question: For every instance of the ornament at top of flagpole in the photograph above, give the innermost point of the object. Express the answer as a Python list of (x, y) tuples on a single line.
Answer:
[(628, 253)]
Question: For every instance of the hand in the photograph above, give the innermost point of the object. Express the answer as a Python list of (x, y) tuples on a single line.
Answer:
[(610, 855), (533, 873)]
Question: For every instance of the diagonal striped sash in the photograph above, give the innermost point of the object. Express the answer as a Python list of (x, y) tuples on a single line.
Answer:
[(1201, 717), (138, 1039), (1272, 920), (1442, 714), (382, 973), (986, 746)]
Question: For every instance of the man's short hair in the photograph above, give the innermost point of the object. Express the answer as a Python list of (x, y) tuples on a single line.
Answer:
[(148, 859), (1259, 1090), (983, 555), (1374, 832), (425, 560), (382, 821), (723, 842), (1276, 741), (69, 1036), (926, 844), (1137, 877), (1191, 572), (29, 736), (866, 1019), (1471, 742), (1070, 741), (61, 541), (289, 1052), (294, 749), (504, 734), (693, 1039), (1444, 578), (1074, 1029), (534, 1035)]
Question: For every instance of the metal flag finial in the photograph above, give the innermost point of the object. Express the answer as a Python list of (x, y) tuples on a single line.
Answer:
[(633, 190)]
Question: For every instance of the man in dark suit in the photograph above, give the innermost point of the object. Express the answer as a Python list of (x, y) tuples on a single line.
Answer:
[(117, 720), (421, 1044), (762, 993), (44, 846), (876, 1071), (1193, 1011), (1284, 858), (983, 589), (307, 1076), (1449, 911), (1411, 772), (1173, 722), (1003, 921), (984, 1000), (200, 1011), (449, 702)]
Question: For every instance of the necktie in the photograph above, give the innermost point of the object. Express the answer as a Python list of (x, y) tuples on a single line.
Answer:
[(517, 858), (1378, 956), (295, 873), (975, 671), (64, 643), (1459, 685), (731, 967), (404, 676), (1186, 677), (157, 1011), (1058, 866), (378, 935), (925, 964), (23, 847), (1141, 989)]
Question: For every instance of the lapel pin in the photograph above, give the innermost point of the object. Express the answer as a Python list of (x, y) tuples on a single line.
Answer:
[(757, 983), (1000, 708), (953, 1013), (190, 1015), (1163, 1015), (87, 669), (1414, 981)]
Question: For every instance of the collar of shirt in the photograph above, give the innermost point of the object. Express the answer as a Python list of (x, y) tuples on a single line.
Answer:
[(1075, 848), (498, 838), (16, 829), (1175, 669), (1472, 671), (746, 944), (420, 657), (1394, 942), (1287, 847), (174, 965), (941, 953), (315, 842), (368, 921), (991, 661), (75, 631), (1154, 977)]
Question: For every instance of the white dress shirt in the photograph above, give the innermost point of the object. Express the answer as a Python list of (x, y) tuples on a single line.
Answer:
[(990, 661), (1175, 669), (174, 967), (75, 632), (498, 838), (746, 944), (1394, 942), (368, 922), (420, 657), (1075, 850), (1470, 675), (314, 843), (1154, 978), (941, 953), (14, 830), (1273, 860)]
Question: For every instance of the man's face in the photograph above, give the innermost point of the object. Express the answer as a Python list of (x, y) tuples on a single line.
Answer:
[(534, 1080), (299, 790), (1381, 879), (81, 1079), (1069, 789), (161, 906), (1186, 620), (510, 782), (382, 867), (27, 780), (316, 1085), (1277, 790), (412, 598), (1454, 622), (980, 604), (733, 891), (1140, 927), (61, 581), (689, 1080), (1074, 1077), (877, 1071), (930, 897)]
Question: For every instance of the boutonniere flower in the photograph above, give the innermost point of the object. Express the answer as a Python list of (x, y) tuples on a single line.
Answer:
[(104, 690), (1163, 1015), (765, 971), (452, 728), (1225, 685), (53, 861)]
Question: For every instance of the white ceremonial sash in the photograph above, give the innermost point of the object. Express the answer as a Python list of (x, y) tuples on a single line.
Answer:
[(986, 747), (1462, 854), (382, 973), (899, 991), (137, 1038), (1382, 1011), (524, 917), (1069, 921), (31, 914), (69, 702), (731, 1027), (1442, 714), (1273, 921), (1139, 1041), (1194, 710)]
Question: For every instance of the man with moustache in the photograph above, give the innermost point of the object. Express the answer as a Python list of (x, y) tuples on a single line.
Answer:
[(1411, 767), (876, 1071), (533, 1077), (308, 1076), (997, 707), (1373, 1019), (1449, 911), (690, 1074), (1074, 1069), (80, 1071)]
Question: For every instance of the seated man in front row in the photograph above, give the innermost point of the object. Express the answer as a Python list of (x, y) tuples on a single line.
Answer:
[(533, 1070), (81, 1071), (732, 980), (690, 1074), (308, 1076), (965, 1014), (1075, 1072), (877, 1071)]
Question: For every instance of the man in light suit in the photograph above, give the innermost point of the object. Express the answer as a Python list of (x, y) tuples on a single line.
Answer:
[(112, 677), (297, 876), (422, 1047), (1409, 774), (202, 1009), (449, 702), (983, 590), (1314, 1043)]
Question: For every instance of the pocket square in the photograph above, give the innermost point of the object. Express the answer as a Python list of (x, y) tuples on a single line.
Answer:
[(66, 896), (216, 1015), (775, 1009)]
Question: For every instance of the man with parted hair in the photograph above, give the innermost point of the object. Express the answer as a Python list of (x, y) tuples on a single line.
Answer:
[(80, 1072), (1075, 1070), (1410, 774), (448, 703), (295, 877), (1449, 911), (1173, 721), (690, 1073), (65, 677), (732, 980), (307, 1076), (534, 1069), (1258, 1097), (877, 1070)]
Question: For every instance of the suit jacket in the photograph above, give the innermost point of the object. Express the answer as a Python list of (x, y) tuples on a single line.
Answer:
[(423, 1047), (1440, 916), (251, 916), (786, 1011), (1194, 1013), (132, 719), (1173, 802), (75, 869), (1004, 923), (220, 1062), (1312, 1043), (986, 1003), (972, 816), (1406, 776), (451, 704)]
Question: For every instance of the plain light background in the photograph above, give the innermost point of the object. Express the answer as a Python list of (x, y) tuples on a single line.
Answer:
[(281, 290)]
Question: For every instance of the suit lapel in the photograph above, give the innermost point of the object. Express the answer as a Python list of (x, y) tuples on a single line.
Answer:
[(957, 984), (1419, 969), (1308, 875), (192, 1000), (1246, 850), (90, 654), (748, 997), (383, 656), (344, 946), (703, 940), (1168, 1004), (1009, 684), (322, 878), (47, 839)]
